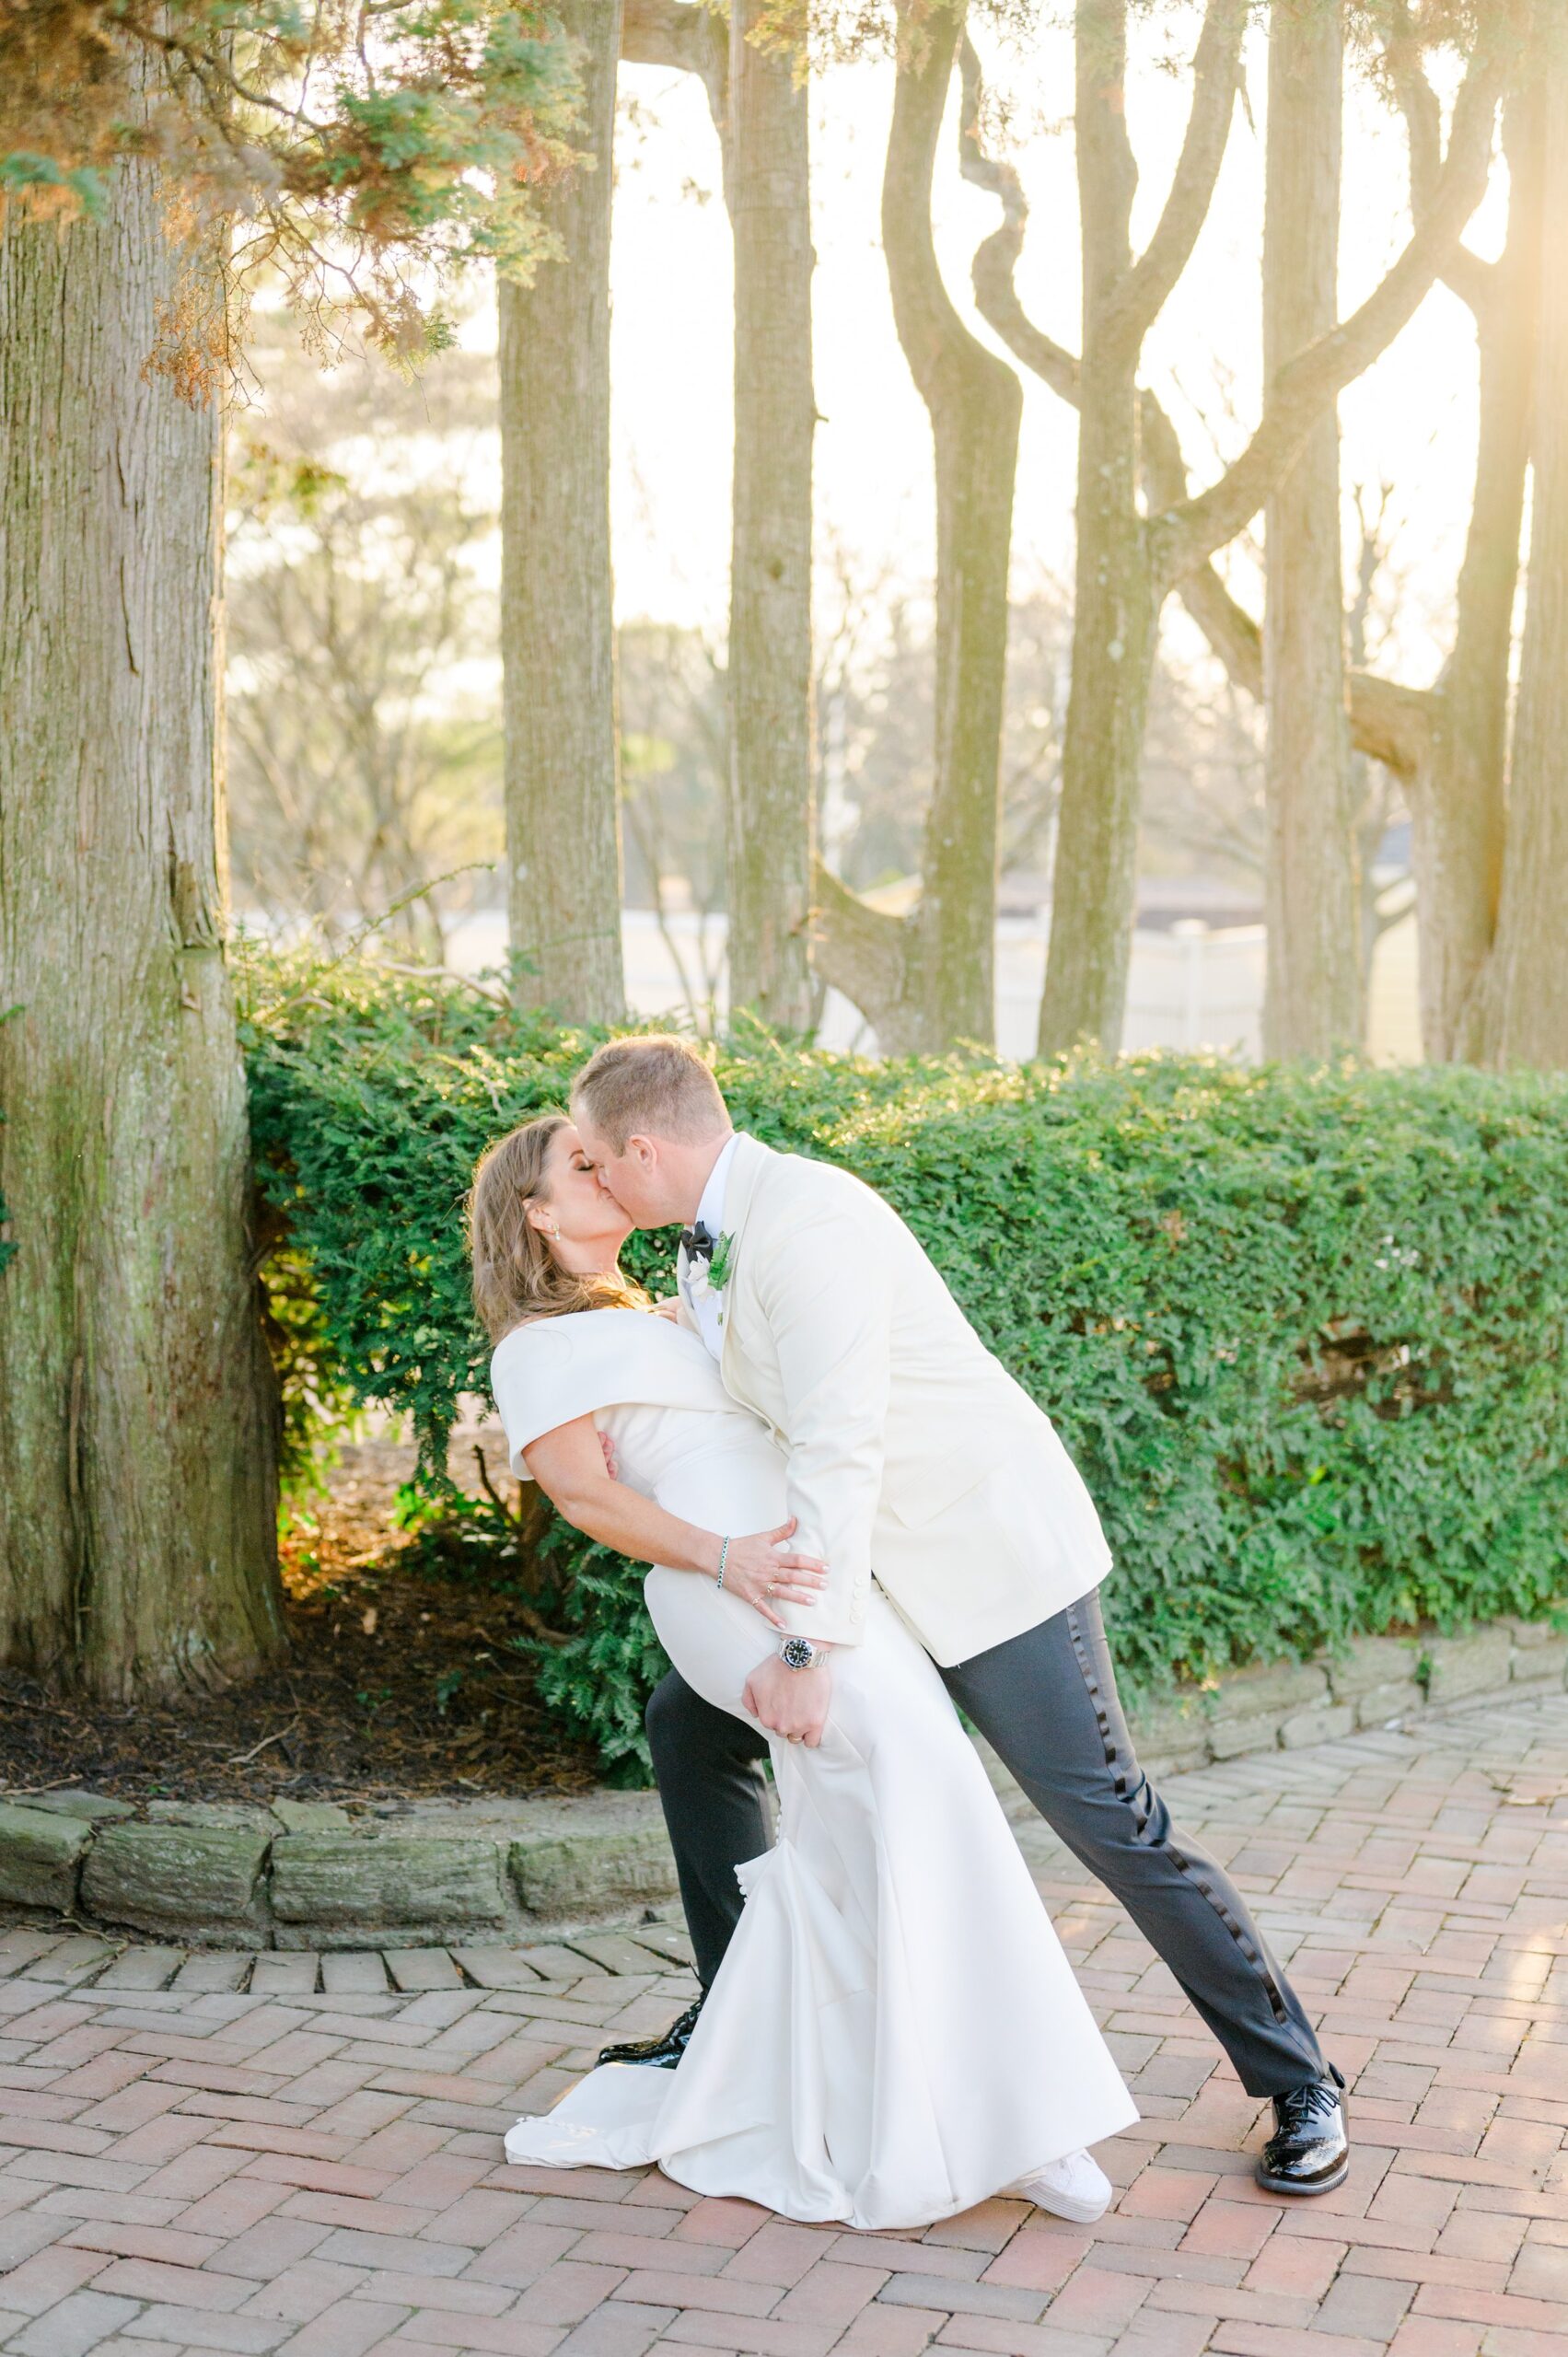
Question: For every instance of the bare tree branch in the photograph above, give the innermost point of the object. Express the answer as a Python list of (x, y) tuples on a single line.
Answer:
[(1215, 79), (1228, 627), (1472, 279), (685, 36), (1390, 723), (994, 262), (861, 950), (1188, 534)]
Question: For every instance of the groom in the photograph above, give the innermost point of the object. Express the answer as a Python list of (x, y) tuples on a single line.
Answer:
[(913, 1456)]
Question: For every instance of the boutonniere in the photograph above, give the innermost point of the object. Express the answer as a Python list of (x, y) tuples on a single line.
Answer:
[(719, 1266)]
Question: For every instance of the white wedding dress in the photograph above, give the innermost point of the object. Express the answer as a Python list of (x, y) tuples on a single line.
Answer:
[(894, 2034)]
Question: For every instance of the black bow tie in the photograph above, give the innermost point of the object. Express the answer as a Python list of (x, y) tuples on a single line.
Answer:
[(697, 1243)]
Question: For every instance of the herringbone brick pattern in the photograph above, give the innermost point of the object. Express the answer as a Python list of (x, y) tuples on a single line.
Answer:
[(312, 2164)]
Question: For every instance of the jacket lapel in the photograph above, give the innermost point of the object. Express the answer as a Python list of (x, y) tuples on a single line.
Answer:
[(750, 1159)]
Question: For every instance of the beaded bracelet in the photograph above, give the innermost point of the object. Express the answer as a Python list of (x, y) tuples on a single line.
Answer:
[(724, 1556)]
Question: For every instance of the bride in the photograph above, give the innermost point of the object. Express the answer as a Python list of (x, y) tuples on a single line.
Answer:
[(895, 2033)]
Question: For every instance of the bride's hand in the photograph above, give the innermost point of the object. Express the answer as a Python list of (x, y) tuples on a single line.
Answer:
[(668, 1308), (764, 1574)]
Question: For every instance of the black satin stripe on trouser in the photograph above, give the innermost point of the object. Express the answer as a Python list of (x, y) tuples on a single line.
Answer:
[(717, 1805), (1048, 1702)]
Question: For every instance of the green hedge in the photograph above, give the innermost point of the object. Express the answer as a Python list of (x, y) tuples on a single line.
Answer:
[(1302, 1330)]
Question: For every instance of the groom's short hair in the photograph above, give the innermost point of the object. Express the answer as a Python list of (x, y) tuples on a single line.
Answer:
[(657, 1085)]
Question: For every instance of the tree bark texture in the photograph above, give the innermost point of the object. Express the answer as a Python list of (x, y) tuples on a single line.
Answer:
[(688, 38), (772, 732), (927, 981), (1525, 1019), (1459, 804), (138, 1443), (1116, 609), (975, 403), (1312, 990), (1177, 541), (561, 726), (1447, 742)]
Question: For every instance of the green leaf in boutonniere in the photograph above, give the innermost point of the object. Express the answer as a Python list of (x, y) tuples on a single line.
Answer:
[(718, 1267)]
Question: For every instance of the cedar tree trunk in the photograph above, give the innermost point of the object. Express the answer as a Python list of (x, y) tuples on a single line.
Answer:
[(563, 765), (770, 616), (1458, 806), (1116, 608), (1312, 991), (1527, 993), (928, 981), (138, 1452), (1126, 564)]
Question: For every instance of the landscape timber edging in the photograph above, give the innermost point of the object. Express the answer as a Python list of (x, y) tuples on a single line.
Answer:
[(310, 1875)]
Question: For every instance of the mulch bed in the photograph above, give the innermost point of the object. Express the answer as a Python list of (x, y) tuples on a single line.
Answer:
[(399, 1684)]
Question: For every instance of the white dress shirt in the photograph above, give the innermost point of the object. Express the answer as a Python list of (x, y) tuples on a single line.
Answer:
[(707, 1306)]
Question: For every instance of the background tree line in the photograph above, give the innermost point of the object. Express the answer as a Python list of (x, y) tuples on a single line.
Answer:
[(364, 708)]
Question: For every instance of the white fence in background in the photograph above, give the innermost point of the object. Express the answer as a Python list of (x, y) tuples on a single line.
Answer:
[(1191, 986)]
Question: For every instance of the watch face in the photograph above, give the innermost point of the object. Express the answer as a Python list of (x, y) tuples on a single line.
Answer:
[(799, 1652)]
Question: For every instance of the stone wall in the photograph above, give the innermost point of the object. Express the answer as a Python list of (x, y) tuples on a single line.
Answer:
[(1376, 1681), (308, 1875)]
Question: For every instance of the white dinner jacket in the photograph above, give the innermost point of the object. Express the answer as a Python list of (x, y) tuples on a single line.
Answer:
[(913, 1452)]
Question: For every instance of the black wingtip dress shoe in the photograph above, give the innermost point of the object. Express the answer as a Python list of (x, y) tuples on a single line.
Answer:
[(1309, 2150), (661, 2053)]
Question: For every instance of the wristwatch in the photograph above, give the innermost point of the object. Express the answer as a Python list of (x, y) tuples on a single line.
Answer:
[(799, 1653)]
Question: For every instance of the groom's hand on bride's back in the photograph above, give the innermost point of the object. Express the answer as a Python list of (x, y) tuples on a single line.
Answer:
[(791, 1702)]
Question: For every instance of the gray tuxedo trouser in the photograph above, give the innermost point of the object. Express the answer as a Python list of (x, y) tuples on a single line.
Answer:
[(1048, 1702)]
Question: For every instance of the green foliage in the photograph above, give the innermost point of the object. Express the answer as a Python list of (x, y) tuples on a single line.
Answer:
[(1302, 1330), (599, 1678), (23, 175), (358, 157)]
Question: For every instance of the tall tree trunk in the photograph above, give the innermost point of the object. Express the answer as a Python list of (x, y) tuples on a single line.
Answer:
[(1118, 587), (938, 966), (770, 617), (975, 404), (1526, 999), (139, 1443), (1116, 609), (562, 765), (1312, 990), (1458, 805), (1115, 638), (1123, 572)]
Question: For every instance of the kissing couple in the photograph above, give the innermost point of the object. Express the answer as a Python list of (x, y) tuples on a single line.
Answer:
[(857, 1521)]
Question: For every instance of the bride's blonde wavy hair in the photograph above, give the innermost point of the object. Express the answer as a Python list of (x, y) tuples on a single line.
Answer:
[(516, 1275)]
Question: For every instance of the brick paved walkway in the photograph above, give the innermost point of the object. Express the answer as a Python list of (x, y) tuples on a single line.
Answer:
[(311, 2163)]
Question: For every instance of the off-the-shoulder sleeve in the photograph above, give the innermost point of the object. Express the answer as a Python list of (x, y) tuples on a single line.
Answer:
[(558, 1369), (543, 1375)]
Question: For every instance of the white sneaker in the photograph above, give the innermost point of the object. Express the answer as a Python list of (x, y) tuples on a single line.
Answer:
[(1075, 2187)]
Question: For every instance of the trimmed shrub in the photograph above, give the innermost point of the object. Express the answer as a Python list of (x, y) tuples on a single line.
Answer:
[(1302, 1330)]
